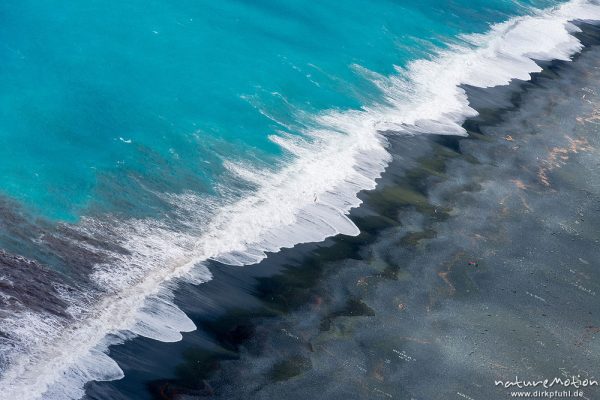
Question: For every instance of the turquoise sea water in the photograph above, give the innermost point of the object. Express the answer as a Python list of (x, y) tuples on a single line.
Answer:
[(102, 98)]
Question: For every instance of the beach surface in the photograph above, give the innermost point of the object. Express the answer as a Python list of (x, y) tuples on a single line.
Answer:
[(477, 261)]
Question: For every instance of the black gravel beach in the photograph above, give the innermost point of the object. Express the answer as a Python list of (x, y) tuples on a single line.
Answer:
[(477, 262)]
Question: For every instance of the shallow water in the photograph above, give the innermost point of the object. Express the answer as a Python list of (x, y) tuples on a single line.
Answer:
[(158, 94)]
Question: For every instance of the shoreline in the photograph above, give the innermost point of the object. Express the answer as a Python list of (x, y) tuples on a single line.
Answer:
[(399, 212)]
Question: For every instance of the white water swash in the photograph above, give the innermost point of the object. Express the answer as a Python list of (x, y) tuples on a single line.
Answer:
[(307, 200)]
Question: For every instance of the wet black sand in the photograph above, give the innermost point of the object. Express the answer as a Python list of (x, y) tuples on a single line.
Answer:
[(477, 261)]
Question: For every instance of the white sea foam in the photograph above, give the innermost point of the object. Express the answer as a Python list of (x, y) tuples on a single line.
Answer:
[(306, 200)]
